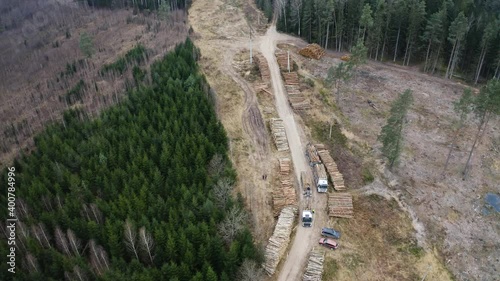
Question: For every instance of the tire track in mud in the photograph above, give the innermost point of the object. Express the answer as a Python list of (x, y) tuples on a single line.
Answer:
[(251, 119)]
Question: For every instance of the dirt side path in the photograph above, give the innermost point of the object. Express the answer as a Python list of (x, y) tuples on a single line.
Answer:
[(305, 238), (236, 103)]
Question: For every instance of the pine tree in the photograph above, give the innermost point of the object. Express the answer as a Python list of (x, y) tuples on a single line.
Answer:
[(458, 30), (391, 135)]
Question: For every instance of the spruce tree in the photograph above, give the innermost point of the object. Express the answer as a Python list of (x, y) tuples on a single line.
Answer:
[(391, 135)]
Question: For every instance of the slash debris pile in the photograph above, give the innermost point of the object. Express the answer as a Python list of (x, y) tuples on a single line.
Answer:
[(314, 269), (279, 240)]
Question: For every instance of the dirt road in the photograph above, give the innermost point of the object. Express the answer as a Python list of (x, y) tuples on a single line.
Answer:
[(305, 238)]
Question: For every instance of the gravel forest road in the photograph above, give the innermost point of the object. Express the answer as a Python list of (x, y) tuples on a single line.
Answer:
[(305, 238)]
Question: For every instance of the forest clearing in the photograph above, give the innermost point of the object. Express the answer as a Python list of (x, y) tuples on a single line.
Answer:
[(116, 131)]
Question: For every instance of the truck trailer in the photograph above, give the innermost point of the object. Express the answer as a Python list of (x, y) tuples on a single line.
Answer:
[(320, 178)]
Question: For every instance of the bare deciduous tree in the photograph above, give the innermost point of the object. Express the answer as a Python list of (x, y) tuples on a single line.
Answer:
[(61, 241), (232, 224), (216, 165), (222, 192), (22, 210), (130, 238), (98, 258), (31, 264), (77, 275), (146, 243), (96, 213), (74, 242), (250, 271)]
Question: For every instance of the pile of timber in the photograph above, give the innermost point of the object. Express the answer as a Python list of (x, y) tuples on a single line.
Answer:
[(295, 97), (279, 134), (312, 154), (332, 169), (282, 58), (263, 67), (285, 194), (279, 240), (314, 269), (291, 78), (340, 205), (313, 51), (285, 166), (293, 90)]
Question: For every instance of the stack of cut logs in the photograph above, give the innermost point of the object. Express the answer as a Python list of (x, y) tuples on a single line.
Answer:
[(279, 240), (282, 58), (312, 154), (340, 205), (263, 67), (279, 134), (332, 169), (295, 97), (285, 195), (314, 269), (313, 51)]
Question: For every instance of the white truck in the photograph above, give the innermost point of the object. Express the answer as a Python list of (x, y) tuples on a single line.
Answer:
[(307, 218), (320, 178)]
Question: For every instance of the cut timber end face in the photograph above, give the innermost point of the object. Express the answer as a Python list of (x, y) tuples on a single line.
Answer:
[(279, 134), (314, 269), (340, 205), (278, 242), (313, 51)]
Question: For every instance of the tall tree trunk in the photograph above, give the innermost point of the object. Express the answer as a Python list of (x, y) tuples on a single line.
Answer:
[(455, 59), (480, 65), (451, 60), (327, 33), (397, 43), (427, 55), (299, 22), (482, 126), (497, 74), (436, 60), (406, 52), (452, 147)]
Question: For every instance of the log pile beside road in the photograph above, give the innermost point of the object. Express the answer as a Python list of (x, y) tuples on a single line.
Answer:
[(313, 51), (282, 58), (340, 205), (295, 97), (284, 195), (279, 134), (265, 74), (332, 169), (278, 242), (314, 269)]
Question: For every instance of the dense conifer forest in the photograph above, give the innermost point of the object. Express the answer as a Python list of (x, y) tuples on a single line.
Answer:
[(448, 37), (131, 195)]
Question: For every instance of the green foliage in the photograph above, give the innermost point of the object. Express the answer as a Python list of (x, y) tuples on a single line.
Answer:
[(135, 55), (86, 45), (417, 28), (391, 135), (75, 94), (145, 160), (367, 175)]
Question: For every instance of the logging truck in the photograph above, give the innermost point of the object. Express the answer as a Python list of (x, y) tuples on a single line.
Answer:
[(320, 178), (307, 218)]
